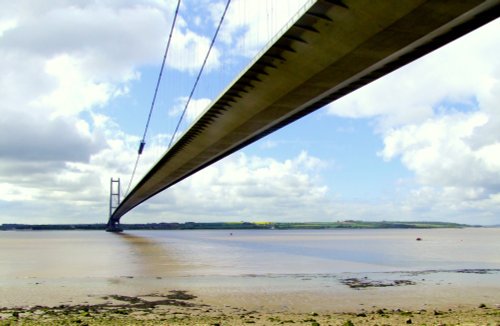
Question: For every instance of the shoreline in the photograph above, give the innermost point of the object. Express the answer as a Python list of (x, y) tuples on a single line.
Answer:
[(235, 226), (455, 297)]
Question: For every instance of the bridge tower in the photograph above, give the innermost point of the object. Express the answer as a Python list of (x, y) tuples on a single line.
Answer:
[(114, 202)]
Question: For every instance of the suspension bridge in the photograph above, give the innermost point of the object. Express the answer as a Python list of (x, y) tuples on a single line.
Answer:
[(330, 49)]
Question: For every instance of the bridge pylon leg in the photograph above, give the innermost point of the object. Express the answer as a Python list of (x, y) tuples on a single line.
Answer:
[(114, 202), (113, 226)]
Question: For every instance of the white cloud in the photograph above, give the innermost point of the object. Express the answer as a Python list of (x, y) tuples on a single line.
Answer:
[(251, 24), (193, 111), (101, 33), (238, 188), (60, 59), (36, 138), (438, 152), (67, 192), (268, 144), (62, 63), (440, 117), (7, 24), (244, 188), (74, 93), (190, 49)]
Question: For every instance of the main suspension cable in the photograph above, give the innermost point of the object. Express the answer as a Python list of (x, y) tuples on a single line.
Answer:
[(143, 141), (199, 75)]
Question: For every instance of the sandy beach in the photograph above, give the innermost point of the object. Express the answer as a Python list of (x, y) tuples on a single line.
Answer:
[(430, 298), (207, 316)]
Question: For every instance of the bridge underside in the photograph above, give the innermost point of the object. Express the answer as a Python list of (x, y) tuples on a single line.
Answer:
[(334, 48)]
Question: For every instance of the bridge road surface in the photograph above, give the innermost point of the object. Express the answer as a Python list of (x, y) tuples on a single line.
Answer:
[(332, 49)]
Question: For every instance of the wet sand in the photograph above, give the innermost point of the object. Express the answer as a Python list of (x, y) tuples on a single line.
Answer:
[(298, 292), (459, 297)]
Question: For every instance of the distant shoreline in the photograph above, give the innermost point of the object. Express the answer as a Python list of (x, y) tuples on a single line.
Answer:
[(349, 224)]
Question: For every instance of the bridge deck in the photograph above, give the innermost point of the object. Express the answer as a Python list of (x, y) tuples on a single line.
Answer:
[(334, 48)]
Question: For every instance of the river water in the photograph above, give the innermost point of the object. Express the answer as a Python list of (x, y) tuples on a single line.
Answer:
[(61, 266)]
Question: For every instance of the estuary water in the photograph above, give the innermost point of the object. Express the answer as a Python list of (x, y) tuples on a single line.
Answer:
[(61, 266)]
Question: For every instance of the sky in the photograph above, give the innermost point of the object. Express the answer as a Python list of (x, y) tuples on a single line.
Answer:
[(77, 80)]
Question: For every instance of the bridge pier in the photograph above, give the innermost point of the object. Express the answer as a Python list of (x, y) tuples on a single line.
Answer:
[(113, 226)]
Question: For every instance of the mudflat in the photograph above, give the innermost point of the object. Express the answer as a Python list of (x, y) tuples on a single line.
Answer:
[(183, 308), (453, 297)]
